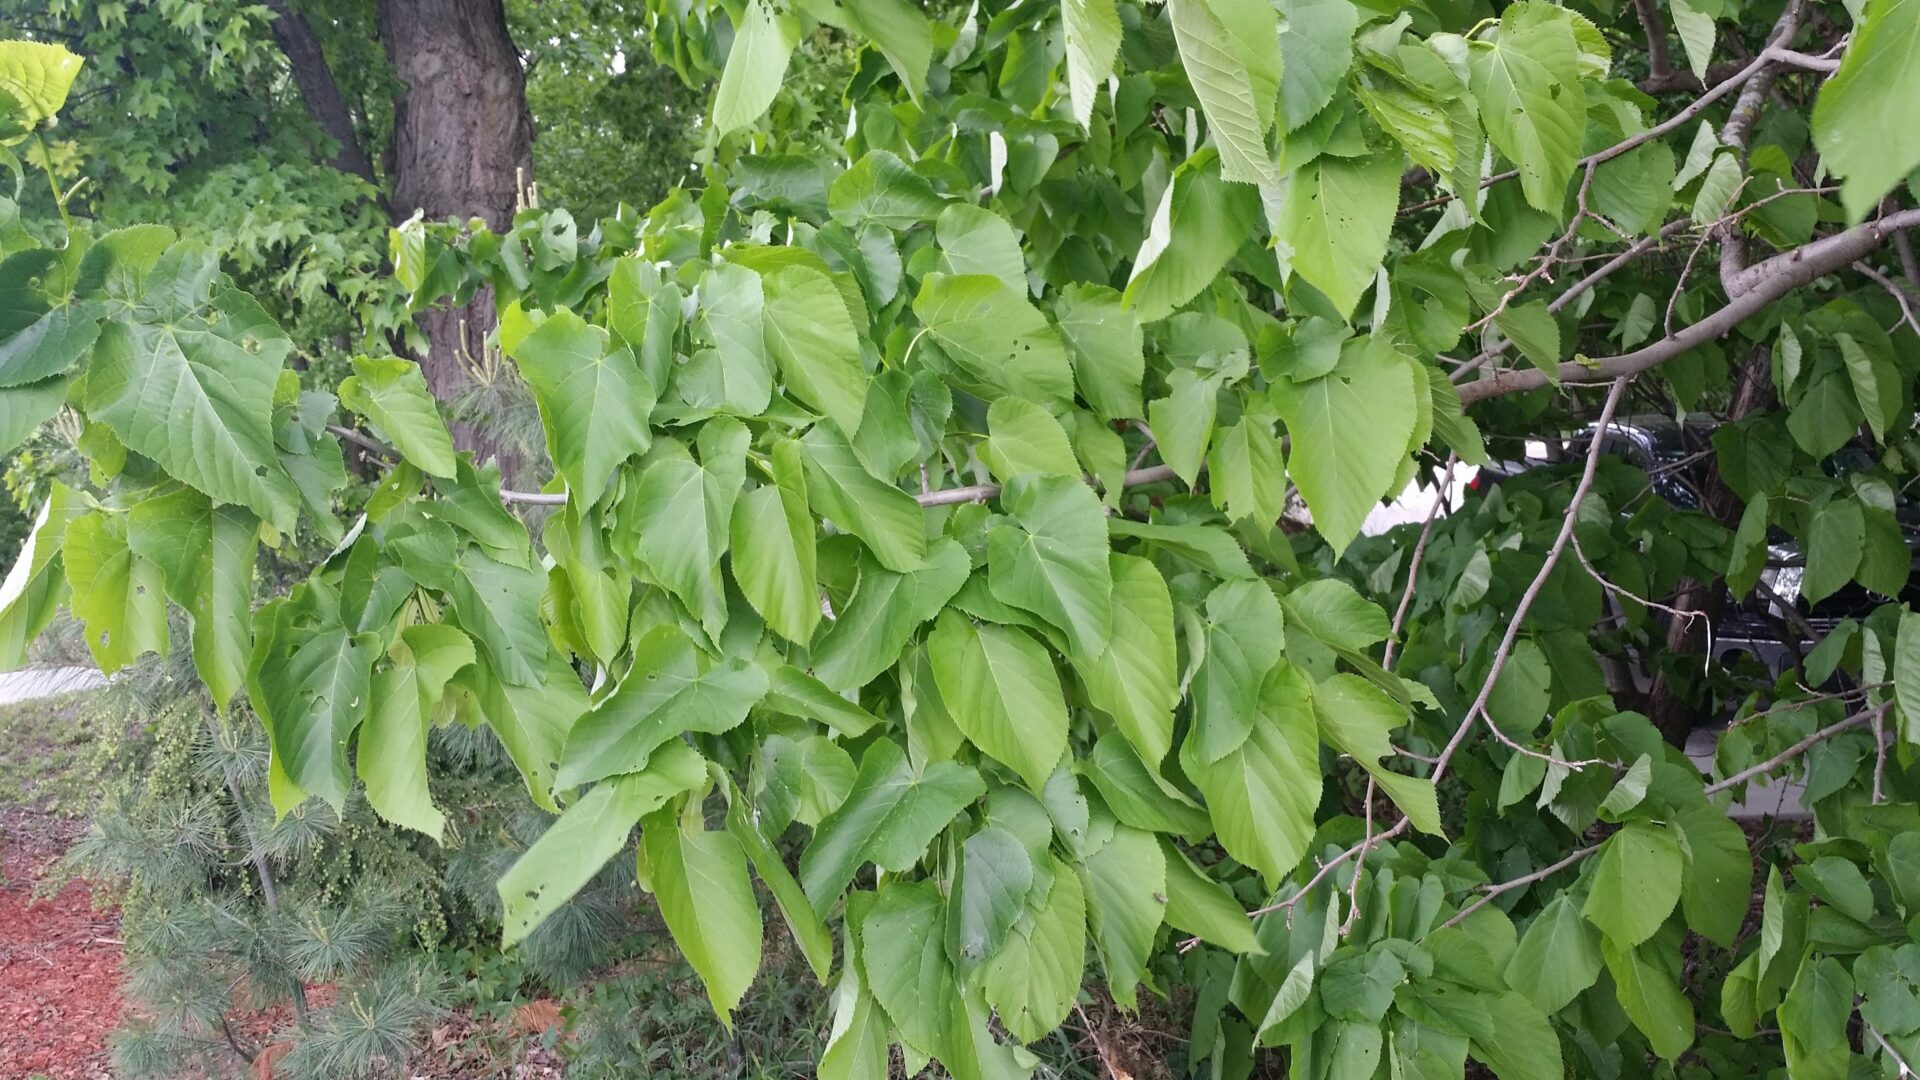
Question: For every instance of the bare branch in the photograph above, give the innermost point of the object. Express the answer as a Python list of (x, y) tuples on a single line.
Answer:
[(1522, 881), (1799, 748), (1766, 282)]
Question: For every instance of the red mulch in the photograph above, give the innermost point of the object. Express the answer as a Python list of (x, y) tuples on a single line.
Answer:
[(59, 960)]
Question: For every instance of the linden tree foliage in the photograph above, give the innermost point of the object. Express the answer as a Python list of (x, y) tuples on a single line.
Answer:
[(959, 524)]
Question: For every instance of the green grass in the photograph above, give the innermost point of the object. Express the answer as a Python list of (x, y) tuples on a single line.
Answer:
[(47, 753)]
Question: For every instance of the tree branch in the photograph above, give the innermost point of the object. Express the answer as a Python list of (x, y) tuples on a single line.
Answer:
[(318, 90), (1799, 748), (1763, 283)]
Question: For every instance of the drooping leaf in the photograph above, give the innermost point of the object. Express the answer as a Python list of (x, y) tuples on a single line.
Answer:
[(1000, 686), (393, 394), (756, 65), (773, 548), (1135, 680), (1350, 430), (1859, 124), (392, 757), (700, 881), (594, 400), (1527, 81), (1636, 883), (1335, 218), (1054, 563), (582, 840), (672, 688), (893, 812)]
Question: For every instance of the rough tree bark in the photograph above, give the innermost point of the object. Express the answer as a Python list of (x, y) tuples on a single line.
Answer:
[(462, 142), (318, 90)]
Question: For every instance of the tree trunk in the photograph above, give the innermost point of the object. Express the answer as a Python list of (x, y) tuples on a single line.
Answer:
[(1686, 638), (462, 142), (318, 90)]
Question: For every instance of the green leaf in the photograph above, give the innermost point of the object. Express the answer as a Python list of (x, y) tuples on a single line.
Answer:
[(881, 189), (1835, 542), (887, 519), (1814, 1019), (996, 336), (1876, 382), (699, 879), (1204, 908), (773, 548), (594, 401), (999, 685), (904, 954), (1262, 796), (680, 518), (810, 333), (118, 596), (1748, 555), (36, 584), (1719, 877), (1906, 675), (1695, 27), (1054, 563), (1182, 421), (735, 375), (1558, 957), (1717, 189), (1650, 997), (1636, 883), (1335, 217), (45, 341), (1126, 893), (893, 812), (1350, 431), (990, 891), (671, 689), (1246, 469), (756, 65), (1532, 101), (801, 918), (1215, 62), (592, 831), (1093, 40), (200, 405), (883, 613), (310, 680), (206, 556), (1245, 636), (392, 394), (1032, 982), (1200, 223), (1024, 438), (1533, 331), (531, 722), (1355, 717), (1316, 49), (1525, 1045), (1333, 612), (37, 76), (24, 408), (1136, 680), (901, 33), (499, 605), (1137, 795), (1860, 123), (1825, 418), (857, 1045), (1104, 339), (392, 756), (979, 241)]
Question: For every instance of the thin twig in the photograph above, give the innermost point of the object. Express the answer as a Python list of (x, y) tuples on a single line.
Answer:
[(1798, 748), (1359, 866), (1525, 879), (1905, 1069), (1478, 709), (1899, 294), (1879, 759), (1419, 553)]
